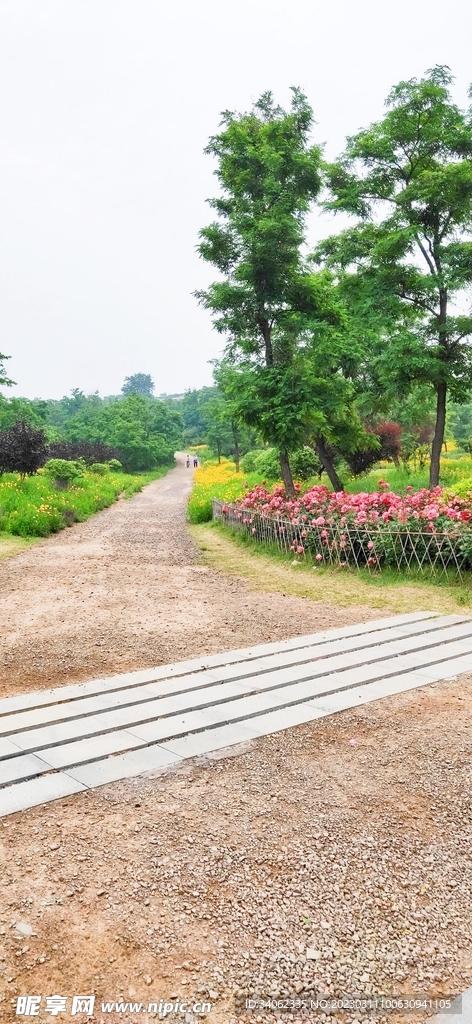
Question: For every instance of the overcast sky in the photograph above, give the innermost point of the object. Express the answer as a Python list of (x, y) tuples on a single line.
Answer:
[(106, 106)]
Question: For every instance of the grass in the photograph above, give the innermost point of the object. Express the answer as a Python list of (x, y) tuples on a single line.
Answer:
[(229, 552), (10, 545), (216, 480), (220, 480), (34, 507), (455, 470)]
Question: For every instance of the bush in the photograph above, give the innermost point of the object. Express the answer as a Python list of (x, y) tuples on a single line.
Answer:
[(89, 451), (22, 449), (62, 471), (35, 508), (305, 463), (264, 461), (248, 461), (114, 465), (100, 468)]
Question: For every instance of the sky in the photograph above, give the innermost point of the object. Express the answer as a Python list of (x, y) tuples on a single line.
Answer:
[(106, 108)]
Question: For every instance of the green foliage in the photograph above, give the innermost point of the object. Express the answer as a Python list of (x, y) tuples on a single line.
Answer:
[(100, 468), (463, 489), (265, 463), (226, 485), (4, 380), (114, 465), (139, 384), (145, 430), (408, 181), (62, 471), (35, 508), (271, 307)]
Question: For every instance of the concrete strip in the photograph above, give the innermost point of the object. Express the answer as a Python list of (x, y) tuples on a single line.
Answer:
[(122, 766), (284, 718), (64, 710), (22, 795), (40, 698), (24, 767), (213, 739), (280, 688), (460, 1012), (66, 755), (358, 695)]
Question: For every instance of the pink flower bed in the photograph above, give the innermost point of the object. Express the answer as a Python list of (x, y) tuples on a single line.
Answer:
[(422, 528), (424, 509)]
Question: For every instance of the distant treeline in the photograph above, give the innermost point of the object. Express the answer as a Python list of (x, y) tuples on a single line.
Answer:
[(144, 431)]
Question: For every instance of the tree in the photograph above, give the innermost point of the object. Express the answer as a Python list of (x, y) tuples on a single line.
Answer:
[(408, 180), (269, 175), (139, 384), (22, 449), (3, 374), (88, 451)]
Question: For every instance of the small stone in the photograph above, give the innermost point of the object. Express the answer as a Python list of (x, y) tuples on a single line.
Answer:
[(148, 979), (313, 954), (23, 928)]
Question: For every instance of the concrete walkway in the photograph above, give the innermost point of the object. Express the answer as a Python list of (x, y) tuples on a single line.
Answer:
[(460, 1012), (62, 741)]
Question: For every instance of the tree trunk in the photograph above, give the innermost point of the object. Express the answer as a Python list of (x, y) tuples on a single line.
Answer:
[(326, 462), (441, 396), (237, 453), (266, 334), (286, 474), (396, 461), (438, 439), (218, 446)]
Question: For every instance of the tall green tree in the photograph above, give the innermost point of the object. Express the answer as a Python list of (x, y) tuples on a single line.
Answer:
[(408, 181), (269, 175), (3, 373), (139, 384)]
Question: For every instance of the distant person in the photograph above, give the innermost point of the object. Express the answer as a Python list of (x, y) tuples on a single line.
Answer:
[(188, 462), (195, 462)]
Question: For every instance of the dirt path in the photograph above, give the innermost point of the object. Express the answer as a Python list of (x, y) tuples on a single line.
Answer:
[(124, 591), (334, 857)]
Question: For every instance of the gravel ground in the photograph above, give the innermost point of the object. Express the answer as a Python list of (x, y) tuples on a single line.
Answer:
[(333, 857), (124, 591)]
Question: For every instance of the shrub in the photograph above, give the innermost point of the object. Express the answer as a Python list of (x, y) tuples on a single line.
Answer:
[(34, 507), (22, 449), (89, 451), (248, 461), (305, 463), (100, 468), (62, 471), (114, 465), (264, 461)]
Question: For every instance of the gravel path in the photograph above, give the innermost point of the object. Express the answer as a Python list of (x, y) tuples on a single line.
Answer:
[(124, 591), (335, 856)]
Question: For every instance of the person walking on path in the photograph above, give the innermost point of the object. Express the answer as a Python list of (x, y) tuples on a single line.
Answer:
[(195, 462), (188, 462)]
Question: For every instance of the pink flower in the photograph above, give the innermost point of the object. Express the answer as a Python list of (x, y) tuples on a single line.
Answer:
[(370, 545), (319, 558), (300, 549)]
